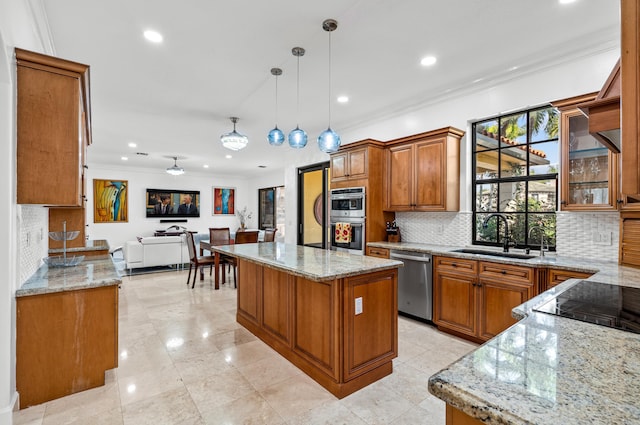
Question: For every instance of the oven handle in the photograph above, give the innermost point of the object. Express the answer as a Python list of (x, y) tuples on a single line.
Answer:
[(350, 220)]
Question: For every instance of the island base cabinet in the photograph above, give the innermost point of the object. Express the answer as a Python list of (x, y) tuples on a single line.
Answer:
[(458, 417), (315, 325), (65, 341)]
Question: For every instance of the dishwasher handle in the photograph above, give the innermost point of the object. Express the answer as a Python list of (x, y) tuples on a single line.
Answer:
[(410, 257)]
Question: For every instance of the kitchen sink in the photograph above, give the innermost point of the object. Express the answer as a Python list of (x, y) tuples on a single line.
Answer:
[(494, 253)]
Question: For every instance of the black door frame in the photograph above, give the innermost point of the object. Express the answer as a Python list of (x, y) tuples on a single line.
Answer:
[(324, 166)]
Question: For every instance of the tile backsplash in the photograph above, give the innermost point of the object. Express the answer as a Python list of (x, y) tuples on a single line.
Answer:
[(33, 244), (578, 234)]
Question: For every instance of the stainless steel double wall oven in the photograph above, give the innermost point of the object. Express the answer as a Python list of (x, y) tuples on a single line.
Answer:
[(348, 206)]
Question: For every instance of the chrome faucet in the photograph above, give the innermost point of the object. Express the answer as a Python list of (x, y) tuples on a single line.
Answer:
[(506, 238), (542, 238)]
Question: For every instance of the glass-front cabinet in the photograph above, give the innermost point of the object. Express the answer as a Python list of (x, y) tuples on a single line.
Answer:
[(589, 170)]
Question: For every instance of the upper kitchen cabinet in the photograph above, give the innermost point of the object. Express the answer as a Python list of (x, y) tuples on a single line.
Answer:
[(589, 169), (423, 171), (353, 161), (54, 128)]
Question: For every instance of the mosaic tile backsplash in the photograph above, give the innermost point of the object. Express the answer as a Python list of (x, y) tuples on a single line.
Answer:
[(578, 234), (33, 244)]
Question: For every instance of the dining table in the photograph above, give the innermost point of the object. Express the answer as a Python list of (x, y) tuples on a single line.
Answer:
[(206, 245)]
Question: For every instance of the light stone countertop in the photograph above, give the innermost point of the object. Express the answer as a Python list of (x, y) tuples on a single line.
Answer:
[(546, 369), (93, 271), (310, 263), (92, 245)]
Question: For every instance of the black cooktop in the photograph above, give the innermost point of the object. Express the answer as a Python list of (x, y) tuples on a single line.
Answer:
[(600, 303)]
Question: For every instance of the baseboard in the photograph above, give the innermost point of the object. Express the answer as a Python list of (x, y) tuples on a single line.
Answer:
[(6, 412)]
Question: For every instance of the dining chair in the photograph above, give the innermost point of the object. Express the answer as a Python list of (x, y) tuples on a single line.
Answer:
[(221, 236), (270, 235), (248, 236), (196, 261)]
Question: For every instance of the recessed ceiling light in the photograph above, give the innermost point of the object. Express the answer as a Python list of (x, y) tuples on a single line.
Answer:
[(566, 1), (132, 145), (153, 36), (124, 158), (513, 68), (428, 60), (205, 166), (343, 99), (228, 156)]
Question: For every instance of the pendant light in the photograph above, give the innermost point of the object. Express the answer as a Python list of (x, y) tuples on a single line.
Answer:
[(234, 140), (329, 140), (298, 137), (276, 136), (175, 170)]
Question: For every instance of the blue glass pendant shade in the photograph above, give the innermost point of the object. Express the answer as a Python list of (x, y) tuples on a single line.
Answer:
[(329, 141), (298, 138), (276, 137)]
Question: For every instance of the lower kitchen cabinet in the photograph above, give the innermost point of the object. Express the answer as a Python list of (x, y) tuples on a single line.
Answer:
[(374, 251), (474, 299), (557, 276)]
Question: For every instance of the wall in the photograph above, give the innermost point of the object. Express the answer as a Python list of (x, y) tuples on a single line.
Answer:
[(21, 25), (139, 180)]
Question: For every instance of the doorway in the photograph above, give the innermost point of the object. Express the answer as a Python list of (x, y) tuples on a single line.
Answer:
[(313, 193)]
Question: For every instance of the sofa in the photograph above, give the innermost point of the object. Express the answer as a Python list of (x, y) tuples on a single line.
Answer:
[(151, 251)]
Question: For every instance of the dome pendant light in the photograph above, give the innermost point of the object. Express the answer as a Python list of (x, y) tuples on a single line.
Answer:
[(276, 136), (175, 170), (329, 140), (298, 137), (234, 140)]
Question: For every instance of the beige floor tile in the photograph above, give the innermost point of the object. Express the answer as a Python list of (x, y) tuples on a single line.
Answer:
[(204, 366), (377, 404), (111, 417), (222, 388), (249, 409), (148, 384), (80, 407), (33, 415), (172, 407), (409, 382), (419, 416), (296, 396), (330, 413), (268, 371)]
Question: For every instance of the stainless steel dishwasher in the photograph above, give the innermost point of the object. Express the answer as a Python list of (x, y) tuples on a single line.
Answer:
[(415, 284)]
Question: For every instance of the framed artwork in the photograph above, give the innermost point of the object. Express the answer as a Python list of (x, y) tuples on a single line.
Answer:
[(110, 201), (224, 201)]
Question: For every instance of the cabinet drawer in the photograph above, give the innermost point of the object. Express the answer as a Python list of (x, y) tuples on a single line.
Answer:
[(374, 251), (506, 271), (558, 276), (456, 265)]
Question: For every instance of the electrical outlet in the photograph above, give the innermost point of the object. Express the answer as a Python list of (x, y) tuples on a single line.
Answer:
[(602, 238), (28, 239), (358, 305)]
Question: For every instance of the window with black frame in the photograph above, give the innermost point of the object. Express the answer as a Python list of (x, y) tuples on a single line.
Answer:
[(515, 158), (271, 208)]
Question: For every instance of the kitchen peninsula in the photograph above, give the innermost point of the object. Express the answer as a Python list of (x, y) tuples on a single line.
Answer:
[(67, 329), (334, 315)]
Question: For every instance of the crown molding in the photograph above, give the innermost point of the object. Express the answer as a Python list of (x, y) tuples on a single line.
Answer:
[(41, 26)]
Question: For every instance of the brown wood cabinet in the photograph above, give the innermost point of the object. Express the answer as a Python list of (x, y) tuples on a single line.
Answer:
[(65, 341), (374, 251), (475, 298), (75, 218), (423, 171), (314, 324), (589, 169), (361, 164), (350, 164), (54, 128), (557, 276)]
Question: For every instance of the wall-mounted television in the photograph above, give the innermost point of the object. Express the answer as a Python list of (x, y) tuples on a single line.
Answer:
[(169, 203)]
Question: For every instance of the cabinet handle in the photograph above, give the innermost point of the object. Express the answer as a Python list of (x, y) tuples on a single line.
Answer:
[(563, 202), (503, 271), (86, 166), (479, 285), (454, 265)]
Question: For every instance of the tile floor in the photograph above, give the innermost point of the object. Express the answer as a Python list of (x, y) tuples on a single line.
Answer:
[(184, 360)]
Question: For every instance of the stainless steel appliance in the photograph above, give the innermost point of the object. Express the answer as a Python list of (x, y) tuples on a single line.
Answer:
[(415, 283), (347, 202), (348, 206)]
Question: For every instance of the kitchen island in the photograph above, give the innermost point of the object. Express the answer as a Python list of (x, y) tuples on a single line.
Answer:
[(66, 329), (334, 315)]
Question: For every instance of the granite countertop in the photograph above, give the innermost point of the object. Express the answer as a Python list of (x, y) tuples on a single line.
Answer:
[(92, 272), (546, 369), (94, 245), (310, 263)]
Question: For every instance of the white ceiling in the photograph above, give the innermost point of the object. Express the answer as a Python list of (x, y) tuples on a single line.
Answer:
[(175, 98)]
